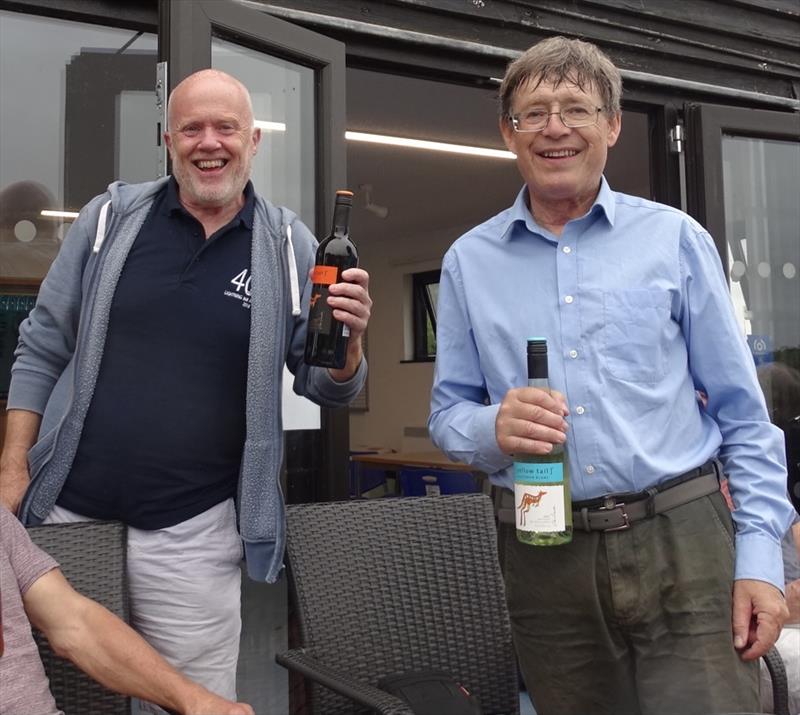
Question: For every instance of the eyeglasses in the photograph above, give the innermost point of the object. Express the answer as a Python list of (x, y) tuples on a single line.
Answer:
[(573, 116)]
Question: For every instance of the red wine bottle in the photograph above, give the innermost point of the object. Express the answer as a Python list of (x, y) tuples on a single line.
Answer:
[(326, 337)]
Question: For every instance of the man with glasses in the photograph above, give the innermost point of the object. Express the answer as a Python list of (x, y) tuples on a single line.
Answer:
[(658, 605)]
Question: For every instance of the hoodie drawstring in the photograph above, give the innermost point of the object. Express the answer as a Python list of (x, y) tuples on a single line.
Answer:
[(294, 284), (100, 236)]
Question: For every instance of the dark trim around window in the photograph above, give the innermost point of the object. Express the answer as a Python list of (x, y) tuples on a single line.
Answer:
[(424, 315)]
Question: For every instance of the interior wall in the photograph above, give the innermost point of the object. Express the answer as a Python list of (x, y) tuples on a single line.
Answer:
[(399, 390)]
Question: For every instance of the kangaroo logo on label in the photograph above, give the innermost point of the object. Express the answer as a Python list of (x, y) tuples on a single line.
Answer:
[(528, 500)]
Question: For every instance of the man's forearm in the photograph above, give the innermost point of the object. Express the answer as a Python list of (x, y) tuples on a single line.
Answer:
[(116, 656), (105, 647), (22, 428), (112, 653)]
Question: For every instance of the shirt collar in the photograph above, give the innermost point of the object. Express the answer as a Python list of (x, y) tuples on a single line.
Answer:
[(520, 213), (245, 215), (606, 201)]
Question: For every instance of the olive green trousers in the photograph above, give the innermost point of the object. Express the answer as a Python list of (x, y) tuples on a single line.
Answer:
[(633, 622)]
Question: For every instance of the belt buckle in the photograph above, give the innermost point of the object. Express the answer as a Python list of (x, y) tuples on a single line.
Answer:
[(608, 505)]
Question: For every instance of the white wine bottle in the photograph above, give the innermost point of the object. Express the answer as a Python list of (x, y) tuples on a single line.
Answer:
[(542, 501)]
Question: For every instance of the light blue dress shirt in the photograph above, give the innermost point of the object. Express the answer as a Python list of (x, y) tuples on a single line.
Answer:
[(637, 315)]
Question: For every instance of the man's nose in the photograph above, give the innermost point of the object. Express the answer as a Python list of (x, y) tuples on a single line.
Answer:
[(555, 125), (209, 137)]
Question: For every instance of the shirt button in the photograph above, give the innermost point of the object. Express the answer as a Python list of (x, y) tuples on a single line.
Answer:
[(568, 299), (567, 249), (589, 469), (580, 409), (573, 354)]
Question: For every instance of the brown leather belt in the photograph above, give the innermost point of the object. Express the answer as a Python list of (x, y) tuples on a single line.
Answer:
[(616, 512)]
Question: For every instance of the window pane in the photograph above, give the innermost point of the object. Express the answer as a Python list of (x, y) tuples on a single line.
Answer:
[(283, 101), (425, 287), (63, 109), (77, 111), (430, 345), (762, 216), (433, 297)]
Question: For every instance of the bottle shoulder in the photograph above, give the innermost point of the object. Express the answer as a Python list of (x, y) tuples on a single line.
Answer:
[(337, 246)]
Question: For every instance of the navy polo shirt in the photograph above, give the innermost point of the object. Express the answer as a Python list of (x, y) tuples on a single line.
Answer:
[(163, 438)]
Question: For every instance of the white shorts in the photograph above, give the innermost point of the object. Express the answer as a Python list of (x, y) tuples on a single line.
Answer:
[(185, 594)]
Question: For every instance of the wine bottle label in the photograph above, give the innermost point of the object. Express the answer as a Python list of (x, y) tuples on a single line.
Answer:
[(539, 508), (324, 275), (538, 472), (320, 315)]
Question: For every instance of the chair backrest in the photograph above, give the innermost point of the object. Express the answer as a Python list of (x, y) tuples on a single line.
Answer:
[(390, 585), (93, 559)]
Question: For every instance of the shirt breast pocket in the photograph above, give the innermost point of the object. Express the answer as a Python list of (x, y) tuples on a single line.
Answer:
[(636, 323)]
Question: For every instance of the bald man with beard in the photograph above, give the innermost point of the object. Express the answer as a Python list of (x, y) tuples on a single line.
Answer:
[(147, 382)]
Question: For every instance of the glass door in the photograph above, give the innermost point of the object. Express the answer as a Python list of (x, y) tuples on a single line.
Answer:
[(746, 177)]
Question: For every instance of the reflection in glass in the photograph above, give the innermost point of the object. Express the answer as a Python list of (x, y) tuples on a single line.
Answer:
[(762, 228), (283, 105), (60, 123)]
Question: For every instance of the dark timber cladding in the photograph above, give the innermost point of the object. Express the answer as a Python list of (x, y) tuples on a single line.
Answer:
[(751, 45)]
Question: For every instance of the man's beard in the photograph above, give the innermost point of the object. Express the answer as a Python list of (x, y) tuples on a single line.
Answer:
[(212, 195)]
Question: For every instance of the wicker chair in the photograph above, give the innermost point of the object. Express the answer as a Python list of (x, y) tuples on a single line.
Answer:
[(386, 586), (92, 557), (779, 680)]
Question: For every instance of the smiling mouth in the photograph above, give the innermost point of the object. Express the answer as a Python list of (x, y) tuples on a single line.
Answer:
[(559, 154), (210, 164)]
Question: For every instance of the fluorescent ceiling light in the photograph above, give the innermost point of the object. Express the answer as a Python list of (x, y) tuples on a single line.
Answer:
[(270, 126), (430, 145), (404, 141), (61, 214)]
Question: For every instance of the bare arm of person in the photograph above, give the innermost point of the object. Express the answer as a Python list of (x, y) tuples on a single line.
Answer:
[(22, 428), (112, 653)]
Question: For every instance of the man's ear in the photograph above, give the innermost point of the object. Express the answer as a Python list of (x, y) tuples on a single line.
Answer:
[(168, 142), (614, 128), (256, 139)]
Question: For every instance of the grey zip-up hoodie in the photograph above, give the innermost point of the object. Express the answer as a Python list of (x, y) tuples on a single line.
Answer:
[(61, 347)]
